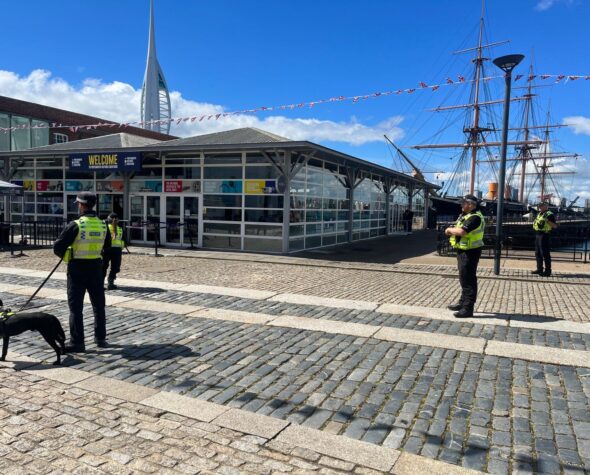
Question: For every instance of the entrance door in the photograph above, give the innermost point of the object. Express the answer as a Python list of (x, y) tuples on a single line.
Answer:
[(146, 222), (396, 224), (182, 220)]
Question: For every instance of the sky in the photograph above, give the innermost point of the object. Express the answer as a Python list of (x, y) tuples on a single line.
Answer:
[(230, 55)]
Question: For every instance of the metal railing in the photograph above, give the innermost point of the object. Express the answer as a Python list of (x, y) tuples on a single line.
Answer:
[(570, 241), (16, 237)]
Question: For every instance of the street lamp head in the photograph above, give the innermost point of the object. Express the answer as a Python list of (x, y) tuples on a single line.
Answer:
[(509, 62)]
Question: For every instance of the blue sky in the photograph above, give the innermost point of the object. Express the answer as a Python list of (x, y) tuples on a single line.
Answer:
[(230, 55)]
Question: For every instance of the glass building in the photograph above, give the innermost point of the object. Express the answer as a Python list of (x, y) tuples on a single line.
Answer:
[(244, 189)]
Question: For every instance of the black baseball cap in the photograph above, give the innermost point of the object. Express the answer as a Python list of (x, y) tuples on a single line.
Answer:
[(472, 198), (87, 198), (113, 216)]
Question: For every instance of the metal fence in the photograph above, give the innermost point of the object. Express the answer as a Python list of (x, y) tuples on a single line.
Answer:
[(17, 237), (569, 241)]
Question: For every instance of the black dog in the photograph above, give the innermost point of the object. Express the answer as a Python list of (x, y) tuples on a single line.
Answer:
[(46, 324)]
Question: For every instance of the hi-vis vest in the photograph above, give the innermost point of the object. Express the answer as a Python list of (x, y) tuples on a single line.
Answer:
[(541, 223), (117, 240), (89, 241), (473, 239)]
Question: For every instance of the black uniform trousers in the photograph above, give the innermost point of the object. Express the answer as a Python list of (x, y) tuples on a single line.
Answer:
[(86, 275), (467, 263), (542, 252), (113, 257)]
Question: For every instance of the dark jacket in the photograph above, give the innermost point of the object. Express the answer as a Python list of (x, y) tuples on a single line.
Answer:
[(68, 236)]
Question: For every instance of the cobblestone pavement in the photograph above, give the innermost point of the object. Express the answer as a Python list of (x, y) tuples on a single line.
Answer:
[(483, 412), (50, 427), (491, 413), (565, 296), (555, 339)]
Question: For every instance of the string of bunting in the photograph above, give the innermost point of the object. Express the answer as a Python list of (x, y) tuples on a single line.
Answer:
[(422, 86)]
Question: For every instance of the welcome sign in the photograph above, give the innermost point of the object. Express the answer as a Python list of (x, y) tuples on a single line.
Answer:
[(122, 161)]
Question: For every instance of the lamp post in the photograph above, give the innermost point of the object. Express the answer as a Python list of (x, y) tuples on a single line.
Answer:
[(506, 64)]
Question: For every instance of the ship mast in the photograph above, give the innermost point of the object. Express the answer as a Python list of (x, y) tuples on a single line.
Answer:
[(475, 131), (526, 149)]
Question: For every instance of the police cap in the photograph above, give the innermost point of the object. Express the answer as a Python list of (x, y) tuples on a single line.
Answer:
[(471, 198), (87, 198)]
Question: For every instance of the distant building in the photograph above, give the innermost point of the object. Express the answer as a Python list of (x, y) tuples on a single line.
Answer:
[(155, 98), (37, 121)]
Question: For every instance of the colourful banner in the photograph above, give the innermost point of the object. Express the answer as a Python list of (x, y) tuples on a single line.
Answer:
[(127, 161), (172, 186), (260, 187)]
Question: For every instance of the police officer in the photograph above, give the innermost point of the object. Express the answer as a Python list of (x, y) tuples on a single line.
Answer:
[(543, 225), (466, 236), (81, 244), (115, 253)]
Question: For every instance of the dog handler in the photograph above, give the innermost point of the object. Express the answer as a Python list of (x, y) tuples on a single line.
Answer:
[(81, 245), (115, 253)]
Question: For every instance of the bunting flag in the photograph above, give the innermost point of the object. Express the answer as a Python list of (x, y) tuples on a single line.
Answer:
[(559, 78)]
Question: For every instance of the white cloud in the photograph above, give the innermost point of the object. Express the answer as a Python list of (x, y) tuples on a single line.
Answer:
[(543, 5), (119, 102), (579, 124)]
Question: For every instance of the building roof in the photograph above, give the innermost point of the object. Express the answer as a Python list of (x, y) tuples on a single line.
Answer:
[(246, 135), (248, 138), (112, 141)]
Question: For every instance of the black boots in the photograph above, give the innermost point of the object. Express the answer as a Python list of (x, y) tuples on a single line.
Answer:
[(464, 313), (455, 306), (537, 272), (111, 285)]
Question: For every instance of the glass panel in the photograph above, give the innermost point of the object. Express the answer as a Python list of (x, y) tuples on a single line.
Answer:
[(221, 242), (234, 201), (40, 136), (225, 186), (221, 228), (264, 201), (136, 217), (296, 244), (266, 216), (296, 230), (50, 203), (105, 205), (314, 241), (264, 230), (222, 214), (269, 172), (191, 220), (191, 172), (20, 138), (223, 172), (256, 158), (296, 216), (219, 159), (172, 219), (153, 217), (263, 245), (4, 137)]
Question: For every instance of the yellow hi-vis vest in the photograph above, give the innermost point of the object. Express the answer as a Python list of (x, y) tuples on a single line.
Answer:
[(117, 240), (541, 223), (89, 241), (473, 239)]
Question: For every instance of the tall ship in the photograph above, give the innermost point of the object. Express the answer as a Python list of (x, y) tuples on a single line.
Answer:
[(537, 168)]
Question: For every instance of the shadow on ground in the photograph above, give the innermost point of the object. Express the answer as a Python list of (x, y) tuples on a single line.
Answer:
[(384, 250)]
